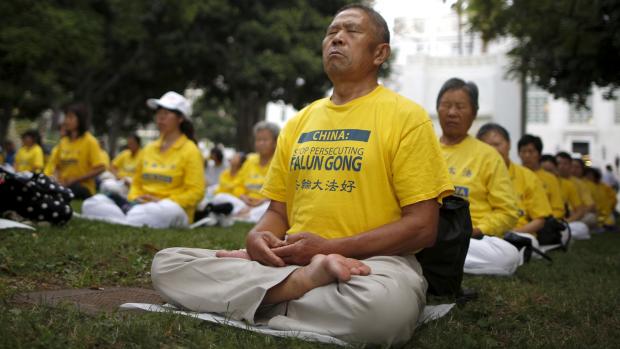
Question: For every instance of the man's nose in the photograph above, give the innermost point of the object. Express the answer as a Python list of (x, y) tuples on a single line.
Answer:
[(338, 38)]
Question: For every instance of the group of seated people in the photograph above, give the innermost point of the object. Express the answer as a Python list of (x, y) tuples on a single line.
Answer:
[(160, 185), (345, 196), (507, 197)]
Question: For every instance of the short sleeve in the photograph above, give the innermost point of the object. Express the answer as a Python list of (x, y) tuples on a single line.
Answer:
[(418, 168), (95, 157)]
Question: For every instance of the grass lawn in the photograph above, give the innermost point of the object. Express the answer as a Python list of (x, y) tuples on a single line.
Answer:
[(573, 302)]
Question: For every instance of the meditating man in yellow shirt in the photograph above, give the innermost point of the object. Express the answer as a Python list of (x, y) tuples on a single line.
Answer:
[(30, 156), (249, 204), (169, 177), (123, 168), (532, 200), (480, 176), (76, 160), (576, 209), (355, 185)]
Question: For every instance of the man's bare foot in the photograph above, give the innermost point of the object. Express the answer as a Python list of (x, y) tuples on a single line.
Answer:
[(321, 271), (233, 254)]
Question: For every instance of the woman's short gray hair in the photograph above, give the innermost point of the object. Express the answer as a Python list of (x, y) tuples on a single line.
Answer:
[(269, 126)]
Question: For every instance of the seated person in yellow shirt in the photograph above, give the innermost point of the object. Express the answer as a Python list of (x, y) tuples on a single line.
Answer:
[(573, 203), (335, 253), (577, 177), (532, 200), (169, 176), (480, 176), (76, 160), (549, 163), (577, 228), (229, 179), (123, 168), (207, 213), (604, 197), (248, 202), (30, 156), (530, 152)]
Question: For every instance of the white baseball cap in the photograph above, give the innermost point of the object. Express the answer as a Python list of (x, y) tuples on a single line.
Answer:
[(172, 101)]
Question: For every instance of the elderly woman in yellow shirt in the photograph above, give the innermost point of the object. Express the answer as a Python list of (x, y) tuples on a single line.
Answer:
[(532, 200), (169, 177), (30, 156), (480, 176), (248, 203)]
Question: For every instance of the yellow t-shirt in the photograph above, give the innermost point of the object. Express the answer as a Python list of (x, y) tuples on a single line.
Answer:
[(176, 174), (343, 170), (29, 159), (554, 193), (252, 176), (480, 176), (229, 184), (125, 163), (75, 158), (608, 202), (531, 197), (569, 194), (583, 191)]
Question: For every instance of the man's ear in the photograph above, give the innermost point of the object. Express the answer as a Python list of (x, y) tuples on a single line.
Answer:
[(382, 53)]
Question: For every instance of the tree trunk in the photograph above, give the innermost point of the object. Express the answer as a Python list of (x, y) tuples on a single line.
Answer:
[(523, 79), (5, 121), (250, 109), (114, 126)]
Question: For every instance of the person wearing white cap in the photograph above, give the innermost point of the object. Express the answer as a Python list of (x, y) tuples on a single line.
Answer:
[(169, 178)]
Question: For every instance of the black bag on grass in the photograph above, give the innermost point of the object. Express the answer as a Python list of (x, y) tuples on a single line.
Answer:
[(442, 264), (37, 197), (551, 232)]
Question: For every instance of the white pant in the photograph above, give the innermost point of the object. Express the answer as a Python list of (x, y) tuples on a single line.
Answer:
[(491, 256), (254, 214), (579, 230), (161, 214), (380, 308), (114, 186)]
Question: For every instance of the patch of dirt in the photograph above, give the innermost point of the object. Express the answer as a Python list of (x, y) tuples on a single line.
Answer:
[(91, 301)]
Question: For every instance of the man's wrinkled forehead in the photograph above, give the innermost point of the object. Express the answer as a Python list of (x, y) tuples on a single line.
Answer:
[(348, 17)]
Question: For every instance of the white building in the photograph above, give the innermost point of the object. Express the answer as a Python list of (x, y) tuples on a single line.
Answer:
[(428, 52), (592, 132)]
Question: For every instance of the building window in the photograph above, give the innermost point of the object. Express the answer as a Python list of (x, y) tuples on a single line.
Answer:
[(537, 106), (581, 115), (582, 148)]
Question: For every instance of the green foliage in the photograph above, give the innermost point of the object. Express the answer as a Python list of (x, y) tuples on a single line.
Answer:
[(563, 46), (114, 54)]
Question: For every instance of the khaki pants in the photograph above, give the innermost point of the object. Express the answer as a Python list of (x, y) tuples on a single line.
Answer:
[(380, 308)]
